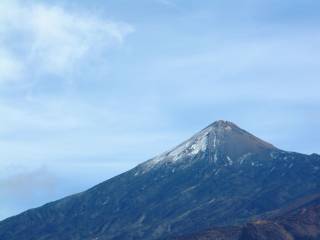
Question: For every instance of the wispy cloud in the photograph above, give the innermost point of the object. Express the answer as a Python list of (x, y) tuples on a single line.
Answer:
[(50, 39)]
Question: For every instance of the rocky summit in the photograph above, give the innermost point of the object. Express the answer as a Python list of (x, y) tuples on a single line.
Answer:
[(221, 176)]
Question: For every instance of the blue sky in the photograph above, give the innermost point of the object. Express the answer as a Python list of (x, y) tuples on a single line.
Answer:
[(89, 89)]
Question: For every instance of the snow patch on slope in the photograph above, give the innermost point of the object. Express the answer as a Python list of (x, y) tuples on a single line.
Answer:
[(195, 145), (229, 160)]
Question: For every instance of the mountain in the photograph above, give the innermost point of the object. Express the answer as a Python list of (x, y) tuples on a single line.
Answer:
[(298, 221), (221, 176)]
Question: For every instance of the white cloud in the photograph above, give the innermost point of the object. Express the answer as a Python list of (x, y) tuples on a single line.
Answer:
[(50, 39)]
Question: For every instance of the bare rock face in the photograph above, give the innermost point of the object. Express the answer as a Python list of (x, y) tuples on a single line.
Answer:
[(221, 176)]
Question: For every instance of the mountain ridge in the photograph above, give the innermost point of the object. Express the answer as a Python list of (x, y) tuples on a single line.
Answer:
[(221, 176)]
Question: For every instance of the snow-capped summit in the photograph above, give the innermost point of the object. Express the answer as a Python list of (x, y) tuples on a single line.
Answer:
[(221, 139)]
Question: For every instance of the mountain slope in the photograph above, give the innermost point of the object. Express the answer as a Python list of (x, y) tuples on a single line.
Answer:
[(298, 221), (222, 175)]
